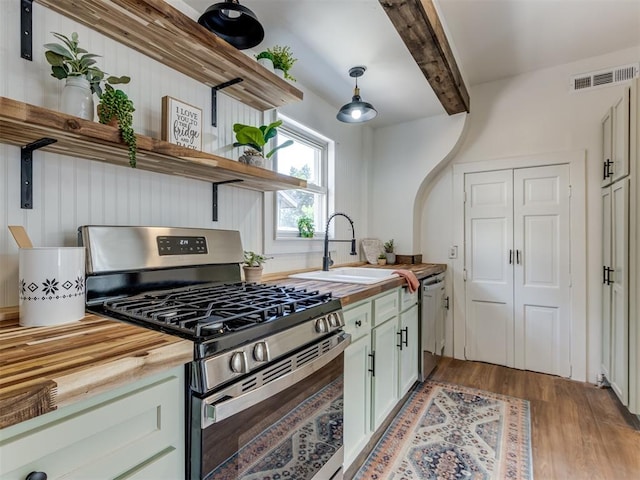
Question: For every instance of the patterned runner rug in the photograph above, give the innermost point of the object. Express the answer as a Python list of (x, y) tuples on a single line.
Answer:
[(451, 432)]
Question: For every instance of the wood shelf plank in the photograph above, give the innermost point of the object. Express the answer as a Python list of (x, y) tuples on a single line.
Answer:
[(158, 30), (21, 124)]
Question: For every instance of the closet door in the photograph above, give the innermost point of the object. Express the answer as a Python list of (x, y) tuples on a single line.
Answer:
[(489, 260), (541, 272)]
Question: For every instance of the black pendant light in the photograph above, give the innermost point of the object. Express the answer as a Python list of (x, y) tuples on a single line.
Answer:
[(356, 111), (234, 23)]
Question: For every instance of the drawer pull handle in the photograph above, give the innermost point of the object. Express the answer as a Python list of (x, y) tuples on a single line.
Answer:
[(36, 476), (358, 323)]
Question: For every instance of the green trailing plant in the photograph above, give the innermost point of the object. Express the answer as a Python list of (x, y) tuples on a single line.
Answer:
[(388, 246), (265, 54), (283, 59), (253, 259), (116, 104), (306, 227), (257, 137), (68, 59)]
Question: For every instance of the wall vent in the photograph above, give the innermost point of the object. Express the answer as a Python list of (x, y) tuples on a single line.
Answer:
[(603, 78)]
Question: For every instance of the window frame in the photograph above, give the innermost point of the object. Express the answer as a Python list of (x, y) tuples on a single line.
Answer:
[(280, 241)]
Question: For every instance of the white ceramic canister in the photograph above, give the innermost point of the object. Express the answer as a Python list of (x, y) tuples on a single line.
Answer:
[(51, 285)]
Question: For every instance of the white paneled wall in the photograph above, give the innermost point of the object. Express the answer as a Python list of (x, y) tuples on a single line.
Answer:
[(69, 192)]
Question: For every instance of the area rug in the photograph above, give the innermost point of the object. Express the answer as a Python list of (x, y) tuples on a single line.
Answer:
[(451, 432)]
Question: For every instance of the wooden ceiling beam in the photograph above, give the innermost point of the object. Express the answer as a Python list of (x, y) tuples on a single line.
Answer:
[(419, 27)]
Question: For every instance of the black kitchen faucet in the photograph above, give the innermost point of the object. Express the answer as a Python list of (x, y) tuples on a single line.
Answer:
[(326, 256)]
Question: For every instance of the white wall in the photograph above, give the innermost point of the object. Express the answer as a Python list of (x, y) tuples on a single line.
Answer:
[(404, 156), (70, 192), (526, 115)]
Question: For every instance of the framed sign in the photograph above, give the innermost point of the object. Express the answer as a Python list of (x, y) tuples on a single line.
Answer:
[(181, 123)]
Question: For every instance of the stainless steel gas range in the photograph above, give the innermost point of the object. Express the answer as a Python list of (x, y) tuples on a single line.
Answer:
[(265, 387)]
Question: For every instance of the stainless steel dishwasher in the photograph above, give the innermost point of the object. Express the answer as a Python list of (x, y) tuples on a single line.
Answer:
[(432, 318)]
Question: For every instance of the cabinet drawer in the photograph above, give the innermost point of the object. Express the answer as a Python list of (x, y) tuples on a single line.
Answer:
[(385, 307), (117, 437), (358, 320), (407, 299)]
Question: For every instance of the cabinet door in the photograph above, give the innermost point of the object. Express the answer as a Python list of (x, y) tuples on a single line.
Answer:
[(619, 375), (357, 398), (116, 438), (607, 148), (606, 288), (408, 364), (384, 345), (620, 137)]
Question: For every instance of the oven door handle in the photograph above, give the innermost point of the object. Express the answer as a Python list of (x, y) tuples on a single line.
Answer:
[(216, 412)]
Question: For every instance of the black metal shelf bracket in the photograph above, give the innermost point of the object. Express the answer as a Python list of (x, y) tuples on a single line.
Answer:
[(26, 43), (214, 98), (215, 195), (26, 170)]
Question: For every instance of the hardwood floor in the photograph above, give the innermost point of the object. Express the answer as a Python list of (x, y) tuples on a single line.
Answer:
[(578, 431)]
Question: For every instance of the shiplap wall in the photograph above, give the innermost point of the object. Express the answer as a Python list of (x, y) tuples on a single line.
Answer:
[(69, 192)]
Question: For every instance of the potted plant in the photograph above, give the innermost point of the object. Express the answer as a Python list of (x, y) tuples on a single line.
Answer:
[(283, 60), (265, 59), (256, 138), (252, 266), (116, 105), (306, 228), (382, 259), (83, 78), (388, 250)]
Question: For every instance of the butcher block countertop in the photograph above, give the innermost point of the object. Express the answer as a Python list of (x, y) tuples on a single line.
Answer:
[(352, 292), (44, 368)]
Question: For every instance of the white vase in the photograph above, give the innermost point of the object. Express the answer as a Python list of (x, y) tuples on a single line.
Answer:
[(279, 72), (77, 98), (266, 63)]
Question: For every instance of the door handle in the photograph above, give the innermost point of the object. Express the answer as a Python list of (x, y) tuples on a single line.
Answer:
[(372, 356), (608, 272), (510, 257), (406, 336), (518, 257), (399, 345)]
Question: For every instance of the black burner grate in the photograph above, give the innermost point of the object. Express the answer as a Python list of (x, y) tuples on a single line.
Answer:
[(211, 310)]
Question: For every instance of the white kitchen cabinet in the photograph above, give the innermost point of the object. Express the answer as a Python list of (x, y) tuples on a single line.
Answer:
[(606, 125), (616, 140), (380, 365), (384, 345), (617, 272), (357, 381), (409, 343), (135, 431)]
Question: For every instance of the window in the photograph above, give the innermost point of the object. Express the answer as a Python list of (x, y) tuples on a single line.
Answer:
[(307, 158)]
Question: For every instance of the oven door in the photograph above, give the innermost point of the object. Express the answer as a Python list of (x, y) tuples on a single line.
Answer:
[(283, 421)]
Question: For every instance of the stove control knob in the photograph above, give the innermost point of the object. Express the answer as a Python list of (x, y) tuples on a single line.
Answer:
[(321, 325), (334, 320), (261, 352), (239, 362)]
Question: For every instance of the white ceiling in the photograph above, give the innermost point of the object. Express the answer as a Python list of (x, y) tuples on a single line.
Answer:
[(491, 39)]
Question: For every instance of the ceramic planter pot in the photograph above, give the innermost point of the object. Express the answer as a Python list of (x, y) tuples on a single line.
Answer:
[(76, 98), (382, 261), (391, 258), (252, 274)]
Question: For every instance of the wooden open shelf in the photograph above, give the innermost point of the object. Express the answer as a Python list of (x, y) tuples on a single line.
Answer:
[(22, 124), (158, 30)]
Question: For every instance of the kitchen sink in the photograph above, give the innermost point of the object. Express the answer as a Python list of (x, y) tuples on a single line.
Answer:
[(349, 275)]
